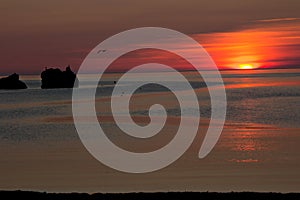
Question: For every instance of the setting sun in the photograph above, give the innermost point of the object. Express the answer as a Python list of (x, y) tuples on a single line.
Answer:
[(246, 66)]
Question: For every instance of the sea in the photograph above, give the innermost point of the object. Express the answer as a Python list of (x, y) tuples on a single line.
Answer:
[(258, 150)]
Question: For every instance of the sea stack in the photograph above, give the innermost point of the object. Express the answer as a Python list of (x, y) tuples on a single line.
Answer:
[(55, 78), (12, 82)]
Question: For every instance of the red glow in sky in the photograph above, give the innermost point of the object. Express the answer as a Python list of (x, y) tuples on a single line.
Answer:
[(267, 45)]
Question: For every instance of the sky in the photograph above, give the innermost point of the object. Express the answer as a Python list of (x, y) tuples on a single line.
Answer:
[(37, 34)]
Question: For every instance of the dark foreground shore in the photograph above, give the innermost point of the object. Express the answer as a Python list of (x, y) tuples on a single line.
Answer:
[(145, 196)]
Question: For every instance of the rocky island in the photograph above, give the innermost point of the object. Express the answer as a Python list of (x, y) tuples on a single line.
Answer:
[(12, 82), (55, 78)]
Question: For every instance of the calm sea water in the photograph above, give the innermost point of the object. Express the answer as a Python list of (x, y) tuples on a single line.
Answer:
[(262, 96)]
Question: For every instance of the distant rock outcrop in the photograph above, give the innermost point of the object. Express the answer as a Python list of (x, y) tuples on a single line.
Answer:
[(12, 82), (55, 78)]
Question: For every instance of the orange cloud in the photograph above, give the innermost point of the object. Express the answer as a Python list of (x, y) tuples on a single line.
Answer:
[(278, 19), (276, 45)]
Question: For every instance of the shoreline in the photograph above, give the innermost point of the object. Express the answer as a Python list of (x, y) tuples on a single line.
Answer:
[(160, 195)]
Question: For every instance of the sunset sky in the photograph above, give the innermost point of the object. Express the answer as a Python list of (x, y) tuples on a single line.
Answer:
[(237, 34)]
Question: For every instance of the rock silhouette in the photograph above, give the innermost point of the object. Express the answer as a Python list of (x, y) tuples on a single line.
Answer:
[(12, 82), (55, 78)]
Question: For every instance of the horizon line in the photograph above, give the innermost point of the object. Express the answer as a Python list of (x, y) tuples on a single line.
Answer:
[(187, 70)]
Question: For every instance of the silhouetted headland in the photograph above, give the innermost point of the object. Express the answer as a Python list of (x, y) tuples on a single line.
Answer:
[(55, 78), (12, 82)]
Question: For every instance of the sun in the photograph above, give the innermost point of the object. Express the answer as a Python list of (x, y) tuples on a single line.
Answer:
[(246, 66)]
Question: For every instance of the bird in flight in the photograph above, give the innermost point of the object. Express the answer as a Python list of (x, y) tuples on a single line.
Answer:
[(102, 51)]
